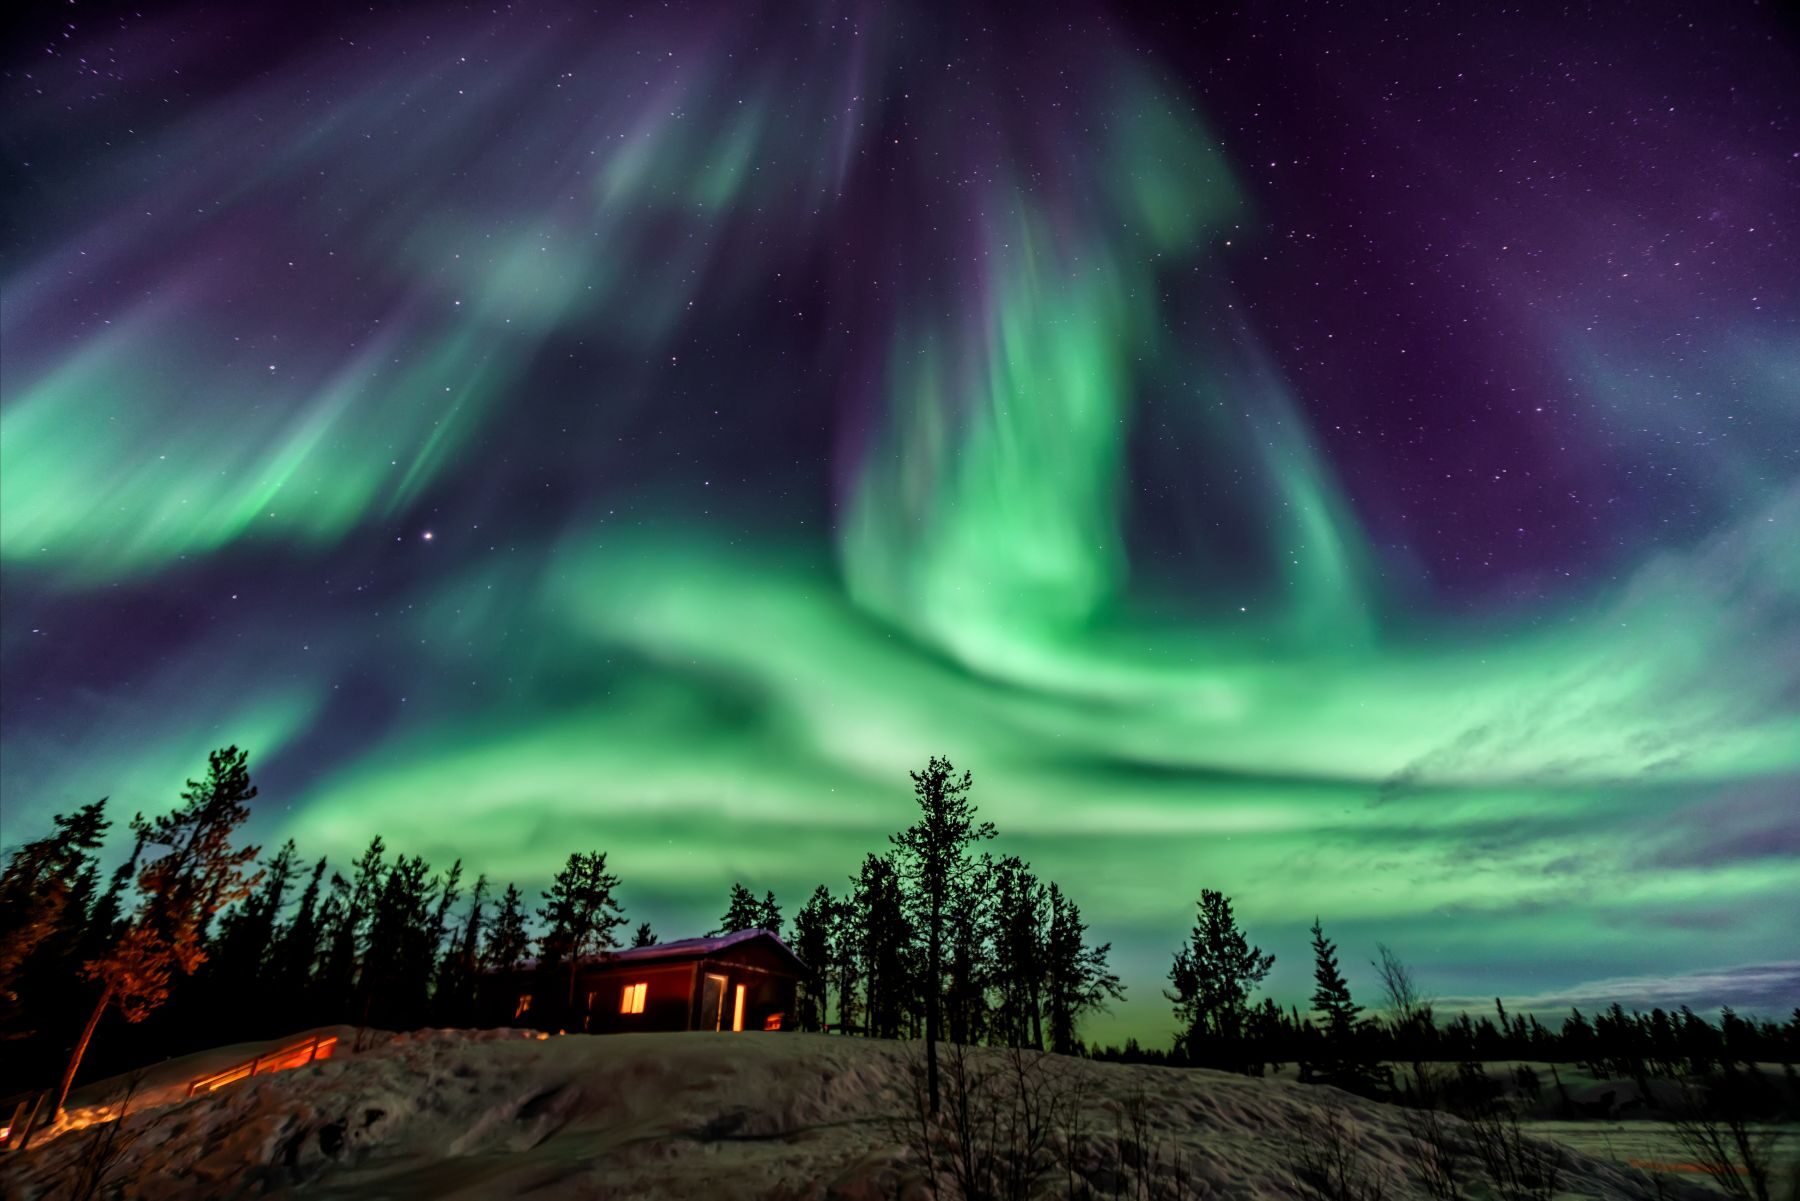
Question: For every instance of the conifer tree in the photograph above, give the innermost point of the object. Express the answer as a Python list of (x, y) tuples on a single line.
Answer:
[(1017, 937), (107, 920), (968, 958), (401, 947), (1077, 979), (876, 908), (508, 940), (846, 961), (644, 937), (1213, 977), (241, 954), (935, 861), (45, 895), (351, 903), (581, 912), (768, 915), (812, 943), (197, 873), (460, 970), (1331, 1000), (742, 912)]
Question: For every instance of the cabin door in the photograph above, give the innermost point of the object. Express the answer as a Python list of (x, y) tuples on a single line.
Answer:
[(712, 1002)]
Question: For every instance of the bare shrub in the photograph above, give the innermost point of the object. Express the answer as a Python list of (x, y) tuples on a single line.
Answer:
[(1437, 1154), (1327, 1163), (1017, 1124), (95, 1167), (996, 1134), (1520, 1167), (1713, 1123)]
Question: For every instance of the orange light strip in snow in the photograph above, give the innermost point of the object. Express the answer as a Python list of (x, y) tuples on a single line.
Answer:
[(1657, 1165), (299, 1055)]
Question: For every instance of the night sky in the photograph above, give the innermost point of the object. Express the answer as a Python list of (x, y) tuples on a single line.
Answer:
[(1349, 458)]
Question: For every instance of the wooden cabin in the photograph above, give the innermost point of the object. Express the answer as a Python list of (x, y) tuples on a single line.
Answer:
[(741, 981)]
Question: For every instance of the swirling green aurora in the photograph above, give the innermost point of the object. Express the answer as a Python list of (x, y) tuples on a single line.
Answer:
[(785, 406)]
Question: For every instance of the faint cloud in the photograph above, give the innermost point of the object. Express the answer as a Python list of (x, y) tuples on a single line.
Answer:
[(1751, 821), (1770, 989)]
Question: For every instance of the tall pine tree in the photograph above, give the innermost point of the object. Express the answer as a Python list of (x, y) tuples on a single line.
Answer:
[(1339, 1064), (197, 873), (1213, 977), (936, 863), (1077, 979), (581, 913)]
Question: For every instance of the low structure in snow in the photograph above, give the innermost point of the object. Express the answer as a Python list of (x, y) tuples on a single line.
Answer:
[(741, 981)]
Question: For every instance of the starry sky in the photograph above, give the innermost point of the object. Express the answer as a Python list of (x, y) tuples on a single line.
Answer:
[(1348, 456)]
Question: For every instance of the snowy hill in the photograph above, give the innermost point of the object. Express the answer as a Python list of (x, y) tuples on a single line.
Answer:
[(456, 1114)]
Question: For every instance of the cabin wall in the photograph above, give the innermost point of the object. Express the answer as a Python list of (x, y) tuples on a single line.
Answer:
[(673, 994), (665, 1000), (766, 994)]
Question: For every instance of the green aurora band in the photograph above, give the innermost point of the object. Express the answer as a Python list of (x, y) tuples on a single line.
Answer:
[(1512, 802)]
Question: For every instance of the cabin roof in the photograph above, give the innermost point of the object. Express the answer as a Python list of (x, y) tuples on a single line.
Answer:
[(689, 948), (699, 948)]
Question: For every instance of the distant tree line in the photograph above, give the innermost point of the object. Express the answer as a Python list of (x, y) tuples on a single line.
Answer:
[(194, 940), (1213, 978)]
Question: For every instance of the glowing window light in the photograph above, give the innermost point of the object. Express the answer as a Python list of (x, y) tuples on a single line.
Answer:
[(737, 1010), (631, 998)]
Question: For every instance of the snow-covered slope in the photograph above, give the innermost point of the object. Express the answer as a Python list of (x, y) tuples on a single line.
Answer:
[(457, 1114)]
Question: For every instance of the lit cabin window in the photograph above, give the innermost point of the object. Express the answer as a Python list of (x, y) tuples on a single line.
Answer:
[(737, 1010), (631, 999), (524, 1005)]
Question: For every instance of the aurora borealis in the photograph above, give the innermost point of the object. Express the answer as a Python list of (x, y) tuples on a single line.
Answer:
[(1350, 462)]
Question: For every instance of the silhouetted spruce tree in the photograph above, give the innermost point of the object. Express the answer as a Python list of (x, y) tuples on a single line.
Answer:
[(427, 952), (1273, 1037), (968, 919), (768, 915), (877, 909), (1076, 977), (742, 912), (1018, 936), (935, 862), (460, 973), (581, 912), (197, 873), (1213, 977), (397, 960), (350, 904), (107, 921), (1578, 1039), (644, 936), (46, 892), (1338, 1061), (296, 954), (812, 943), (846, 961), (237, 971), (508, 940)]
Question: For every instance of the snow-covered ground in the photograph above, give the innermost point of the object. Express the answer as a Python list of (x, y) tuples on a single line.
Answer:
[(461, 1114)]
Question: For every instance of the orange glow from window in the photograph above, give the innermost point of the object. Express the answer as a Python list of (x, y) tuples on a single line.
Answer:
[(737, 1010), (772, 1022), (631, 998), (523, 1006)]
